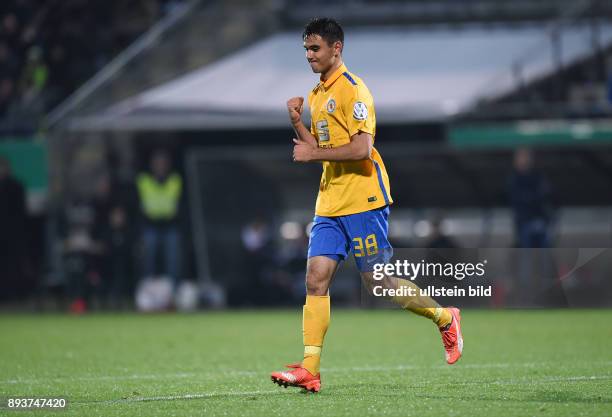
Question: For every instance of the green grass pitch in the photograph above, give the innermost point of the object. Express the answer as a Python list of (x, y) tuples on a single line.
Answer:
[(375, 363)]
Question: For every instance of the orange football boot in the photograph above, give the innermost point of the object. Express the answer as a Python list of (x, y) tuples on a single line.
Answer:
[(297, 377), (452, 337)]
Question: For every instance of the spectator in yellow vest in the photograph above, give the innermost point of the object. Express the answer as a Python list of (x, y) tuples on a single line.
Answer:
[(160, 193)]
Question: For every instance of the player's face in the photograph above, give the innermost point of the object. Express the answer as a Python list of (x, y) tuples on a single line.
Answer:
[(320, 55)]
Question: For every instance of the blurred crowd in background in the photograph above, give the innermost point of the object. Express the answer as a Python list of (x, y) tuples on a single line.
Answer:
[(116, 227), (127, 233), (49, 48)]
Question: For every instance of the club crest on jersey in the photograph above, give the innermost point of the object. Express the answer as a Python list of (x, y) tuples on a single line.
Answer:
[(331, 105), (360, 111)]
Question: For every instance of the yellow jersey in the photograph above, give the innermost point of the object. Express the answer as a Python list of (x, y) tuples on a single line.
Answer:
[(341, 107)]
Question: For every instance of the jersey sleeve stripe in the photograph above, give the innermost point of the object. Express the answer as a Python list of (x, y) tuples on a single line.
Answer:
[(348, 77), (380, 182)]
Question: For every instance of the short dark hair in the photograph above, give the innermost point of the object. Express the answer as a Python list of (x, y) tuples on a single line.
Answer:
[(326, 28)]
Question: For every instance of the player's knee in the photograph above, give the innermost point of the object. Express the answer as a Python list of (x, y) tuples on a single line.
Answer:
[(368, 280), (316, 284)]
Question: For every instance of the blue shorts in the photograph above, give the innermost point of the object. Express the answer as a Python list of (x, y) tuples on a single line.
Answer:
[(364, 234)]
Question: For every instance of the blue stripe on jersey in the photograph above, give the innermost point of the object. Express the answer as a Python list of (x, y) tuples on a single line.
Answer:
[(380, 182), (348, 77)]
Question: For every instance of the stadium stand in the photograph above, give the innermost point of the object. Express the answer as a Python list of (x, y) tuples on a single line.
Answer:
[(49, 48)]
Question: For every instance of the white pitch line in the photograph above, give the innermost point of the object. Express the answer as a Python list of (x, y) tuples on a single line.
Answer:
[(180, 375), (444, 367), (185, 397), (432, 367)]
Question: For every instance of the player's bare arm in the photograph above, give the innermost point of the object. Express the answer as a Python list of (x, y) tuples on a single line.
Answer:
[(295, 106), (359, 148)]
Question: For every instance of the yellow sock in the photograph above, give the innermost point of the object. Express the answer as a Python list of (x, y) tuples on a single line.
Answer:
[(422, 305), (439, 315), (316, 316)]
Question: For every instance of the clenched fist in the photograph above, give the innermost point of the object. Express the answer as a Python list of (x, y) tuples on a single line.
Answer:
[(295, 106)]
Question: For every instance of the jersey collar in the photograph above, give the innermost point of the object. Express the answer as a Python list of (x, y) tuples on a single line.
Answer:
[(333, 77)]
